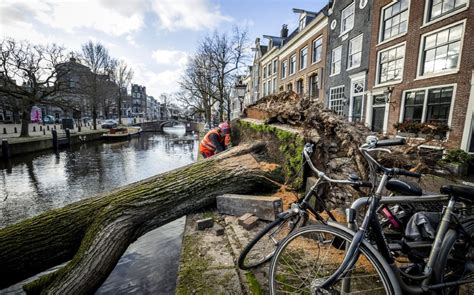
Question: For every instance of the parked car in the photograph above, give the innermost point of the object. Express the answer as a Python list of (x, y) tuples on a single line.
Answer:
[(48, 119), (107, 124)]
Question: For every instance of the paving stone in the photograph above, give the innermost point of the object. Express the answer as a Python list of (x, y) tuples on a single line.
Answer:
[(242, 218), (218, 229), (204, 223), (264, 207), (250, 222)]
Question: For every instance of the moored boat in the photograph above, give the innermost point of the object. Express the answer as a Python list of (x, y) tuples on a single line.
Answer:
[(122, 133)]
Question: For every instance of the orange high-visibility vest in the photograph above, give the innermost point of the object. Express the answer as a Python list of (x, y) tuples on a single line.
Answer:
[(207, 145)]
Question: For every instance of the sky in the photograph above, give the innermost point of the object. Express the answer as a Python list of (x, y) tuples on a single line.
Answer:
[(155, 37)]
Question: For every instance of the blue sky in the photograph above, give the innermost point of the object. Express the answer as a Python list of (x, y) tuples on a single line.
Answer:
[(154, 36)]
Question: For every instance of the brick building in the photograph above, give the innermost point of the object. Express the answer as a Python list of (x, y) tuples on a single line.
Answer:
[(421, 67), (301, 58), (347, 62)]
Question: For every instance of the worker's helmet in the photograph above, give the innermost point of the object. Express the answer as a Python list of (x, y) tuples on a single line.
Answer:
[(224, 127)]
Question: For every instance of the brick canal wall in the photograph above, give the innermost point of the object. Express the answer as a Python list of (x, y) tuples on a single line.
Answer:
[(20, 146)]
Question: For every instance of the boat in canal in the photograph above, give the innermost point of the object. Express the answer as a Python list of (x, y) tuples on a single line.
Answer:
[(122, 133)]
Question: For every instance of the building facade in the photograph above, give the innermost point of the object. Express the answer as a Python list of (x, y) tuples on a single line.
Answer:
[(138, 103), (421, 69), (347, 62), (301, 58)]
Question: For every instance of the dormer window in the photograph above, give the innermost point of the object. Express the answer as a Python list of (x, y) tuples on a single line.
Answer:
[(302, 24)]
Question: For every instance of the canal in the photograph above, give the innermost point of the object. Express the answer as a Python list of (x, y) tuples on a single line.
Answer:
[(35, 183)]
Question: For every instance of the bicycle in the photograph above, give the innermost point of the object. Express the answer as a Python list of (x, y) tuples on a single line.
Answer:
[(313, 260), (262, 247)]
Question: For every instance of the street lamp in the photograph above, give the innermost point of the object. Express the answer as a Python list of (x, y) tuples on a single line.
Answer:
[(388, 94), (240, 88)]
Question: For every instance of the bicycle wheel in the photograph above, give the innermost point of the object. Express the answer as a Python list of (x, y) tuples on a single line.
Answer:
[(261, 248), (307, 257), (456, 261)]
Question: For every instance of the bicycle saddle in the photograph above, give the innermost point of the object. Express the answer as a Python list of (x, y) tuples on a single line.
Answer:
[(465, 193), (403, 187)]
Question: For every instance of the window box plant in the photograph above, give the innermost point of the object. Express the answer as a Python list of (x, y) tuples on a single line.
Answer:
[(424, 130), (456, 161)]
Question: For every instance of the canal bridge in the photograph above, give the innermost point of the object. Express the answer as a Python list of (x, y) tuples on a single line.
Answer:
[(158, 125)]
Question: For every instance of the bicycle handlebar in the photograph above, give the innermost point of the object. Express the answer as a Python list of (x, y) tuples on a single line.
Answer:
[(390, 142)]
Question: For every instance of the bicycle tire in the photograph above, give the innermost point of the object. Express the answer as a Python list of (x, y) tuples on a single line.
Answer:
[(454, 257), (302, 257), (246, 265)]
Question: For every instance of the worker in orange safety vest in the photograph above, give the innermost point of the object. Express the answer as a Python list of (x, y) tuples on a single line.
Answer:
[(215, 141)]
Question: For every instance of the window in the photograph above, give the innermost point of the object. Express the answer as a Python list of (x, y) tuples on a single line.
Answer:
[(302, 24), (395, 19), (414, 106), (347, 18), (439, 8), (274, 85), (303, 58), (441, 50), (336, 60), (275, 66), (313, 86), (264, 90), (336, 99), (292, 64), (283, 69), (269, 87), (289, 87), (355, 52), (300, 87), (264, 72), (269, 70), (429, 105), (390, 65), (317, 50)]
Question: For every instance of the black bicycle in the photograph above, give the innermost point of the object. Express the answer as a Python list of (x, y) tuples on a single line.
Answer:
[(333, 259)]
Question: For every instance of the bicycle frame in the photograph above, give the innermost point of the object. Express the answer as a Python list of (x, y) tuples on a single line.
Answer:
[(371, 221)]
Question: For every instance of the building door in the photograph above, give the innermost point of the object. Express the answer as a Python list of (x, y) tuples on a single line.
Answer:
[(356, 99), (378, 113)]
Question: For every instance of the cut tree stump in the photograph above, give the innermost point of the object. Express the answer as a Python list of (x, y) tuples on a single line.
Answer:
[(94, 233)]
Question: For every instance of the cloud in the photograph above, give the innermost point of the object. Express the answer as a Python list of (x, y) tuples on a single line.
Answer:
[(170, 57), (188, 14)]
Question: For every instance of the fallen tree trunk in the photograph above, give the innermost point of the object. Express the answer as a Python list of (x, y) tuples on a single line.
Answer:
[(94, 233)]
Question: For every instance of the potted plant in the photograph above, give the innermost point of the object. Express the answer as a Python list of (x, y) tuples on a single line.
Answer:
[(434, 130), (457, 161)]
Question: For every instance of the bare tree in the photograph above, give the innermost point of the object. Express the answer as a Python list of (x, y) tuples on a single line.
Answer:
[(121, 75), (97, 58), (225, 55), (211, 72), (31, 75)]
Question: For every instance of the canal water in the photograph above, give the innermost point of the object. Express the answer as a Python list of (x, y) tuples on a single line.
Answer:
[(35, 183)]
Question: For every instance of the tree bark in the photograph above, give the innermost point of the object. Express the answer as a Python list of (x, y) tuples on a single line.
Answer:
[(25, 122), (94, 233)]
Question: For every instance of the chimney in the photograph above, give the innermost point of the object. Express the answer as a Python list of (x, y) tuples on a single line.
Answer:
[(284, 31)]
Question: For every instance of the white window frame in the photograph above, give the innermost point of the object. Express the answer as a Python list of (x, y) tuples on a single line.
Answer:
[(275, 66), (348, 7), (274, 85), (381, 23), (264, 72), (377, 83), (427, 22), (320, 47), (301, 59), (420, 65), (296, 64), (284, 66), (341, 99), (425, 102), (332, 61), (361, 36), (264, 90)]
